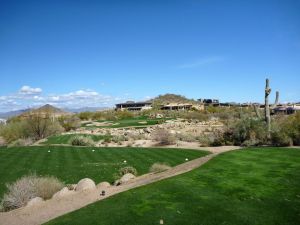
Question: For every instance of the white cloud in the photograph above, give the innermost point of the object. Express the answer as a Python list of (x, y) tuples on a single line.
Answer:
[(28, 97), (201, 62), (27, 90)]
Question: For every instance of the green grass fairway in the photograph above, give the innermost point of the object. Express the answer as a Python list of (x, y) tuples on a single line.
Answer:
[(129, 122), (65, 139), (71, 164), (248, 187)]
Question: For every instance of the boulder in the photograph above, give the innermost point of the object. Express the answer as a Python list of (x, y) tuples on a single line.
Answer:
[(62, 193), (35, 201), (103, 185), (85, 184), (127, 177)]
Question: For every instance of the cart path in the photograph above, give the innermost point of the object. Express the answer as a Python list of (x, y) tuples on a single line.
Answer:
[(53, 208)]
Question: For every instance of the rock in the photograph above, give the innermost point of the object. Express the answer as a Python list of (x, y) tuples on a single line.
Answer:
[(103, 185), (85, 184), (127, 177), (35, 201), (62, 193)]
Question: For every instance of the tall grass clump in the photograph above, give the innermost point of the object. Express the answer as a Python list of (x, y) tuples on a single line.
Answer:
[(82, 141), (159, 167), (28, 187)]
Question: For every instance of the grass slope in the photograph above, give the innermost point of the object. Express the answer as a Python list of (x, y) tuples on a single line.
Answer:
[(65, 139), (249, 187), (71, 164)]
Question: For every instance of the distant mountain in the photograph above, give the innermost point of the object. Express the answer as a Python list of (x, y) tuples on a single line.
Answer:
[(46, 110), (86, 109), (6, 115)]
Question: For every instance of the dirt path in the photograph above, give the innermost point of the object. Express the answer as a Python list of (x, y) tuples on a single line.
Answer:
[(48, 210)]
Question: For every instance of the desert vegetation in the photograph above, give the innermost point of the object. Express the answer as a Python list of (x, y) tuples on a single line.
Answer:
[(28, 187)]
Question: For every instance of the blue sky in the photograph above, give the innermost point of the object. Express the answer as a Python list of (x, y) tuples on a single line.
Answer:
[(97, 53)]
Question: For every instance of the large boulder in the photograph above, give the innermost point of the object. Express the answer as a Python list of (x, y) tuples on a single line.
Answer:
[(62, 193), (127, 177), (85, 184), (35, 201), (103, 185)]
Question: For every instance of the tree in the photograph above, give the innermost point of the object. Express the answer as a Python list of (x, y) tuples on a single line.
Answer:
[(41, 125)]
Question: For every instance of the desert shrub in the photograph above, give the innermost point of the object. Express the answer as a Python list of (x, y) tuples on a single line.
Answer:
[(159, 167), (14, 130), (82, 141), (119, 138), (46, 187), (280, 138), (217, 138), (253, 129), (21, 142), (136, 136), (127, 169), (107, 139), (69, 122), (124, 114), (291, 126), (85, 115), (28, 187), (2, 141), (40, 126), (250, 142), (194, 115), (185, 137), (163, 137), (286, 130), (204, 140)]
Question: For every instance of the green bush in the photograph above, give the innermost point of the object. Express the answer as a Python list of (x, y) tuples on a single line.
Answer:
[(82, 141)]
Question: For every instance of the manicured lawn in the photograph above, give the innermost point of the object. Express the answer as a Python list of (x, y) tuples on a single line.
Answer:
[(247, 187), (71, 164), (130, 122), (65, 139)]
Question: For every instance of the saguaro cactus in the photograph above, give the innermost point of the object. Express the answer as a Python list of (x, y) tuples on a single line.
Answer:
[(267, 105), (268, 109)]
